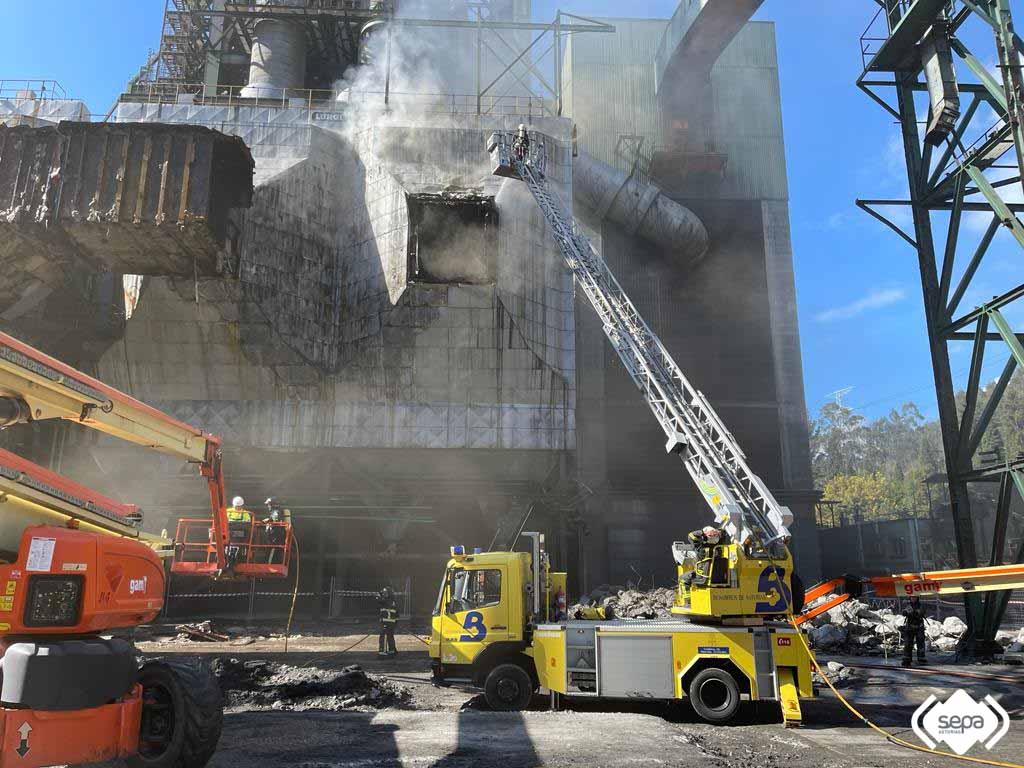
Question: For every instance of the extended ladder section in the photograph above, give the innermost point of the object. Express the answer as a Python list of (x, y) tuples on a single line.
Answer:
[(36, 387), (741, 502)]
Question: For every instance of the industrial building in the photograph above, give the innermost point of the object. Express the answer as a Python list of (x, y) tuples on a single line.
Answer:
[(390, 344)]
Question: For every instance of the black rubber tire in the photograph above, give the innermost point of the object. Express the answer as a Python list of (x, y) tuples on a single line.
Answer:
[(508, 688), (714, 695), (182, 715)]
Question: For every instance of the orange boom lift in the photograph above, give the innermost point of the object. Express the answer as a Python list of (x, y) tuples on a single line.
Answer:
[(75, 563)]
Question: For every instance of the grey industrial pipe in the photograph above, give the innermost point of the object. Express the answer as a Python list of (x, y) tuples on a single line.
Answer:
[(278, 59), (604, 192)]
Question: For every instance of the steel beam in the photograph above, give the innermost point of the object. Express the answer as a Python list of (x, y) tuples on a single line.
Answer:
[(933, 187)]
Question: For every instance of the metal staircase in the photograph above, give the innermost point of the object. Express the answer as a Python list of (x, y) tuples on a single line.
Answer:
[(742, 504)]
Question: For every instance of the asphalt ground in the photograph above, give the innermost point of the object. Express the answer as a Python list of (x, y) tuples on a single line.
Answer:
[(450, 727)]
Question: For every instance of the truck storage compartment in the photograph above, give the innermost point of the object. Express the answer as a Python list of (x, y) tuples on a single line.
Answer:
[(631, 666)]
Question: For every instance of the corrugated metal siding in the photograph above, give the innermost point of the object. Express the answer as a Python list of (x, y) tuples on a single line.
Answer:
[(611, 92), (612, 88)]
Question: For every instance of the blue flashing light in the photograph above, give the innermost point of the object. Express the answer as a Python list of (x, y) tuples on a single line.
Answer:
[(458, 551), (478, 550)]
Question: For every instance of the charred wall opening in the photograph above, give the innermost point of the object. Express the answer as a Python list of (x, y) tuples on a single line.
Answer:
[(452, 238)]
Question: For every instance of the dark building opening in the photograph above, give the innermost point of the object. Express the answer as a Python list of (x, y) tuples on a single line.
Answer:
[(453, 238)]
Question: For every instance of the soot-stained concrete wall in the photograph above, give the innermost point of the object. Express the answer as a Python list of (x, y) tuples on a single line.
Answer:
[(322, 341)]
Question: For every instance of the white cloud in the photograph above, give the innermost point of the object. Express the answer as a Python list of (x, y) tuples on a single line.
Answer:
[(877, 299)]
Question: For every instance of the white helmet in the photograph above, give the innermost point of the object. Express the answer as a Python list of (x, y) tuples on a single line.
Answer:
[(237, 502), (712, 534)]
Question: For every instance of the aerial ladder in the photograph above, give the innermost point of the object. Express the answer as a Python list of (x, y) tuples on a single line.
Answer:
[(750, 570), (756, 524)]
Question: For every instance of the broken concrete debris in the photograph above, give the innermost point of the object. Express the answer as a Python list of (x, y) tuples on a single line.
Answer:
[(855, 627), (259, 685), (838, 674), (628, 603), (200, 632)]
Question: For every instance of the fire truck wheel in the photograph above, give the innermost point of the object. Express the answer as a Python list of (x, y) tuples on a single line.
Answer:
[(714, 695), (508, 688), (182, 714)]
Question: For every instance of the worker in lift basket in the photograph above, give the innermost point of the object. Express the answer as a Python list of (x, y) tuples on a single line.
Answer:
[(913, 632), (388, 619), (521, 143), (272, 532), (239, 530)]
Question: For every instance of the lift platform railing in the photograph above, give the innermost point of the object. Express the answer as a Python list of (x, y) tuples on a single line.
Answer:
[(254, 549)]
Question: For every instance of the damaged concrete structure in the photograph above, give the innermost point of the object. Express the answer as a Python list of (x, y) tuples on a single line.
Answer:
[(397, 353)]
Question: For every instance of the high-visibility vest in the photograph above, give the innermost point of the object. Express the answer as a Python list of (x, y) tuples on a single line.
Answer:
[(388, 615), (239, 515)]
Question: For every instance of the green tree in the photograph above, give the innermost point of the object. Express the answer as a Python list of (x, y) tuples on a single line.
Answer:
[(837, 442), (868, 496)]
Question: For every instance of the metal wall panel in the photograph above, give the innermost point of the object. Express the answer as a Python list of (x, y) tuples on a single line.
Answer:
[(635, 667), (747, 102)]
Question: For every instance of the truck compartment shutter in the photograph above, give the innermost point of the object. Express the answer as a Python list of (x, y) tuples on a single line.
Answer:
[(635, 667)]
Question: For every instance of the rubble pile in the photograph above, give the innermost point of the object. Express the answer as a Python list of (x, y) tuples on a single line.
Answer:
[(260, 685), (206, 632), (1013, 645), (854, 627), (838, 674), (628, 603)]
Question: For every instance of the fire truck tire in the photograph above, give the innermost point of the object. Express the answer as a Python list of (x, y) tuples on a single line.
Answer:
[(508, 688), (182, 715), (714, 695)]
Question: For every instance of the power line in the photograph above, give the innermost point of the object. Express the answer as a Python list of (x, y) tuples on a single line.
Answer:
[(904, 393)]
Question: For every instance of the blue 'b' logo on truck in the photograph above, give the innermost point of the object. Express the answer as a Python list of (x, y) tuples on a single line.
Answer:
[(773, 578), (474, 626)]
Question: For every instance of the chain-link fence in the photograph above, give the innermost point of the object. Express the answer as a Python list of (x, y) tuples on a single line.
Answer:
[(252, 600), (939, 607)]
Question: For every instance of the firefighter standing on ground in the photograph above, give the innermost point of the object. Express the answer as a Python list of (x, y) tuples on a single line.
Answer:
[(388, 619), (913, 632)]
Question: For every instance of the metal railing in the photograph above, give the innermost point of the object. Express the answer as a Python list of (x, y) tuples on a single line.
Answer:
[(331, 101), (40, 89), (885, 21)]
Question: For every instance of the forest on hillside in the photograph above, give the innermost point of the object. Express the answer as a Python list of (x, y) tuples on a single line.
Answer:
[(893, 467)]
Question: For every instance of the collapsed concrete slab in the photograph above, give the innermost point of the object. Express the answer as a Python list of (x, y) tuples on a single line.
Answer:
[(149, 199)]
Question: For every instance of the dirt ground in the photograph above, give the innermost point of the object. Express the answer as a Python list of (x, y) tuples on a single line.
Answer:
[(449, 727)]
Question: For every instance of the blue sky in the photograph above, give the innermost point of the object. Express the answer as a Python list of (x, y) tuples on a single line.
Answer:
[(858, 291)]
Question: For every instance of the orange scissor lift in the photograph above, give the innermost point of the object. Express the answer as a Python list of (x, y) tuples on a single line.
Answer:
[(77, 564)]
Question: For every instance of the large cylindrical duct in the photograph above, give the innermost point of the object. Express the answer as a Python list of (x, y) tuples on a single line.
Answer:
[(604, 192), (278, 60)]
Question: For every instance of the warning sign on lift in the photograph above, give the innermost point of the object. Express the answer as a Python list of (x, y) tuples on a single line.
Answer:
[(40, 554)]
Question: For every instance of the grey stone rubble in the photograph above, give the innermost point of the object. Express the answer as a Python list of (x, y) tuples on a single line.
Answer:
[(855, 627), (838, 674), (628, 603)]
